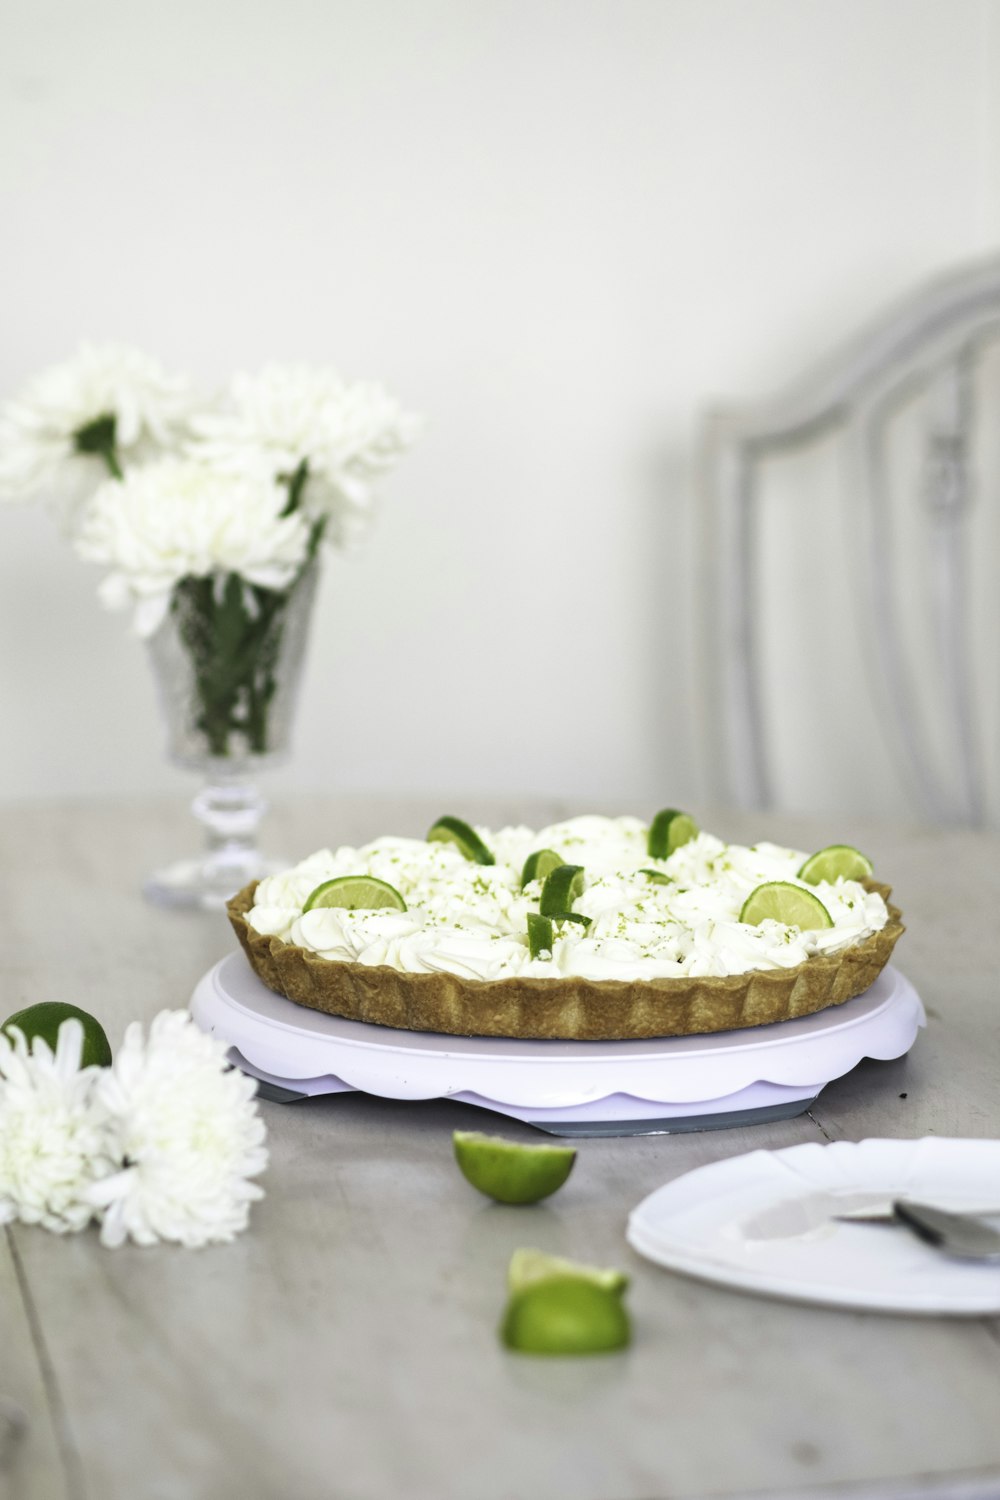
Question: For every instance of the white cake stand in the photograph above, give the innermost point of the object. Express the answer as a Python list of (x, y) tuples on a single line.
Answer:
[(567, 1088)]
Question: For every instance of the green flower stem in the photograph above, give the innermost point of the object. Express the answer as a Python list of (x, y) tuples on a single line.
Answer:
[(233, 637), (315, 537), (232, 632)]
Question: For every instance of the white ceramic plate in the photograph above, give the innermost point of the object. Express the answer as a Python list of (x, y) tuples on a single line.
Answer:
[(763, 1223)]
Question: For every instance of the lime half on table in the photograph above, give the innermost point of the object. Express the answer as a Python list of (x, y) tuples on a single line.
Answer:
[(509, 1171), (566, 1315), (45, 1019)]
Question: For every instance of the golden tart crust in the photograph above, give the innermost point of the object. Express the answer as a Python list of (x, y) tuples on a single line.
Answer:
[(569, 1009)]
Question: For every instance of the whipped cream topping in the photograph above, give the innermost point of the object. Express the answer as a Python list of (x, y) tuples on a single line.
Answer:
[(471, 920)]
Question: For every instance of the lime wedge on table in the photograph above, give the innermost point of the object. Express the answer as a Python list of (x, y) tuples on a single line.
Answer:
[(528, 1266), (355, 893), (786, 903), (450, 830), (836, 862), (44, 1020), (508, 1171), (565, 1315), (539, 934), (540, 864), (668, 831)]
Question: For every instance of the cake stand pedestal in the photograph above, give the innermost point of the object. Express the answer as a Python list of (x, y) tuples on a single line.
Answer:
[(653, 1087)]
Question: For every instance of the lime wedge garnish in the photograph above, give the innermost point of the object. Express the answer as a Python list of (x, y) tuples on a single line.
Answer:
[(561, 888), (355, 893), (835, 862), (539, 934), (540, 864), (44, 1020), (786, 903), (565, 1315), (450, 830), (668, 831), (657, 877), (528, 1266), (509, 1171)]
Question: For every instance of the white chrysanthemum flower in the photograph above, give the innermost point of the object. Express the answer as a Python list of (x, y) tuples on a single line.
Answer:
[(348, 433), (187, 1133), (39, 427), (179, 519), (52, 1138)]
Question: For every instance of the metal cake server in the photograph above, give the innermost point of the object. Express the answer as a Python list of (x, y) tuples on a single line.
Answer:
[(961, 1235)]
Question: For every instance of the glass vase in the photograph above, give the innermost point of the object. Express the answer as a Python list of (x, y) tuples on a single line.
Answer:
[(227, 661)]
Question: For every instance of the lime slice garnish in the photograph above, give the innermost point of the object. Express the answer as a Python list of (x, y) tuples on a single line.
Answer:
[(835, 862), (44, 1020), (657, 877), (355, 893), (528, 1266), (539, 934), (786, 903), (509, 1171), (540, 864), (668, 831), (562, 887), (565, 1315), (450, 830)]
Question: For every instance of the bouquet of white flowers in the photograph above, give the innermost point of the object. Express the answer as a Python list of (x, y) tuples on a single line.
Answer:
[(159, 1144), (209, 513)]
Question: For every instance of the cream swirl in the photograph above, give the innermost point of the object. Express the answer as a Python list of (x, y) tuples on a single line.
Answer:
[(471, 920)]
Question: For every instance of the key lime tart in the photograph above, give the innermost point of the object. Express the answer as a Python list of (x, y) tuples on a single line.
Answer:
[(592, 929)]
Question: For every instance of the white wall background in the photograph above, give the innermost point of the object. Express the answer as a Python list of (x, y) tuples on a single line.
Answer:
[(557, 228)]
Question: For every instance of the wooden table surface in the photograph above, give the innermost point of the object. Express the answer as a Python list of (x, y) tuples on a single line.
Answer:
[(345, 1345)]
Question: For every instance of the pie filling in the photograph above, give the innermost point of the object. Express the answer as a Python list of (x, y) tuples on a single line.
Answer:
[(646, 918)]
